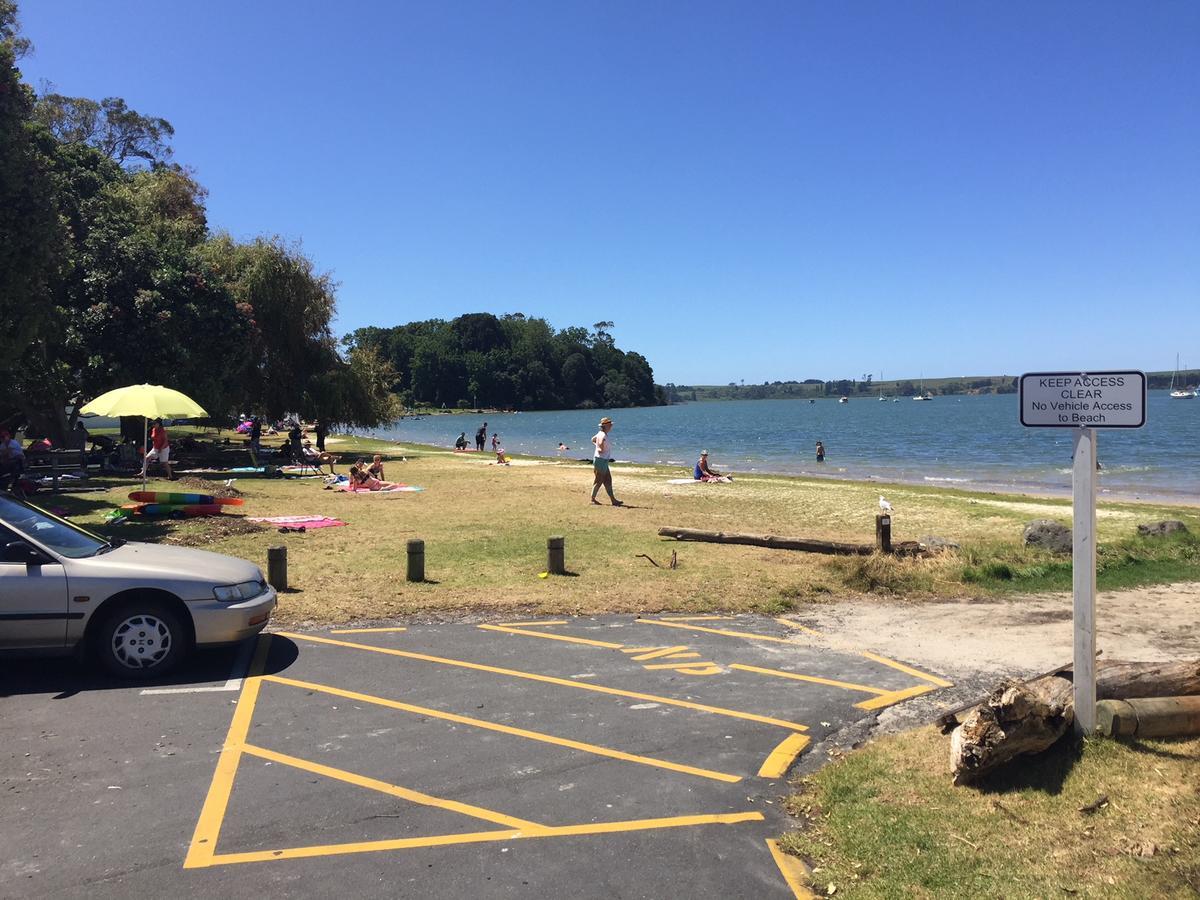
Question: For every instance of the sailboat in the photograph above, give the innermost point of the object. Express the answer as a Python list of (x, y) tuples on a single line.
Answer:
[(1184, 393), (921, 393)]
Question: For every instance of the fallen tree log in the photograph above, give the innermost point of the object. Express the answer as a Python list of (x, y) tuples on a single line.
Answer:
[(808, 545), (1018, 719)]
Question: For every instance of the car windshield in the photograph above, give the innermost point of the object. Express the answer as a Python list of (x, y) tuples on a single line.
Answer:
[(62, 537)]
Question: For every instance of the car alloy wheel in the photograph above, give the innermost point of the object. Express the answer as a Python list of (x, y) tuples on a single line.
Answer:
[(141, 641)]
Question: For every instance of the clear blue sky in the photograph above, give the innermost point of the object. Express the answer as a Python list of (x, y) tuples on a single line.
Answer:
[(753, 191)]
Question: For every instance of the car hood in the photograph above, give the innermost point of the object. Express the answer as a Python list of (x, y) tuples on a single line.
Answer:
[(174, 563)]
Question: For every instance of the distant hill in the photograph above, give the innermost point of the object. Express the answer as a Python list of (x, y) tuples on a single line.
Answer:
[(814, 388)]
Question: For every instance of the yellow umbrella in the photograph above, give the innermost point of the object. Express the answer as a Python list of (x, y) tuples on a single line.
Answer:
[(153, 401)]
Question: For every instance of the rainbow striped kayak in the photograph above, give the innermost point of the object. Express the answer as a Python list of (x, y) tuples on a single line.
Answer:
[(183, 499), (172, 510)]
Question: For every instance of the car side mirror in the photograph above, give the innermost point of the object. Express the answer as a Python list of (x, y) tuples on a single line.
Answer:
[(21, 552)]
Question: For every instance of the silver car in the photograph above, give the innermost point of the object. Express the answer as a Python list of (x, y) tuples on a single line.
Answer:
[(139, 608)]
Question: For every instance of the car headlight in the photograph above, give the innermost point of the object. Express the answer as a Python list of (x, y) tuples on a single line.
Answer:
[(232, 593)]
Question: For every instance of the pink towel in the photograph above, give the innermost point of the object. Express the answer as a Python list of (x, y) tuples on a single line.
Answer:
[(306, 521)]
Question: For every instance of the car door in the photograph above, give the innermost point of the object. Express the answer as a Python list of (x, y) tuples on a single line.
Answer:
[(33, 600)]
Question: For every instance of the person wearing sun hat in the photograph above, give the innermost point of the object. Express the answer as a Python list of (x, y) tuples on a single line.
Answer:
[(600, 460), (703, 472)]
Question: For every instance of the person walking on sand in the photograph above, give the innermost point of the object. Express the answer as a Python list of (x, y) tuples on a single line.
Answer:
[(820, 452), (480, 437), (160, 450), (600, 460)]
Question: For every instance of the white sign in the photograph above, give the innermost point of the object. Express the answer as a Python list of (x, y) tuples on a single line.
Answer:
[(1083, 399)]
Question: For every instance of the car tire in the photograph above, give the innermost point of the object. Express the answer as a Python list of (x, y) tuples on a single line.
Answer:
[(141, 640)]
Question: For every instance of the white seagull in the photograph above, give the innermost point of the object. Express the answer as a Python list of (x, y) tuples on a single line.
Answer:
[(884, 506)]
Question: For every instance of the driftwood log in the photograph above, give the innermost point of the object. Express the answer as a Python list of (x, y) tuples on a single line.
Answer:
[(1023, 718), (809, 545)]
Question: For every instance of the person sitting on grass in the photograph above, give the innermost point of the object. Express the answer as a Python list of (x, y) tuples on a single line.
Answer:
[(313, 457), (501, 457), (362, 480), (376, 467), (704, 472)]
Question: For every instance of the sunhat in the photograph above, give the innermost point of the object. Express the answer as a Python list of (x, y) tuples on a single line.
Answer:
[(704, 453), (606, 421)]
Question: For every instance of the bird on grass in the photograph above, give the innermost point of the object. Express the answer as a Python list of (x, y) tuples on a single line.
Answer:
[(884, 506)]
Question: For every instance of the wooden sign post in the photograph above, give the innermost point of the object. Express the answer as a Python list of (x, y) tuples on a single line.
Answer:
[(1084, 401)]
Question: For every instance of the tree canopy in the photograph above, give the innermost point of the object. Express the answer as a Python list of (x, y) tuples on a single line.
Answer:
[(511, 362)]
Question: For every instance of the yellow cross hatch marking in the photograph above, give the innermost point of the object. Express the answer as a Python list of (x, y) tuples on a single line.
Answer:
[(549, 679), (554, 637), (660, 651), (778, 673), (504, 729)]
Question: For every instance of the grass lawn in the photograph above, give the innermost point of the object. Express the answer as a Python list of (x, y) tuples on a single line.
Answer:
[(885, 822), (485, 530)]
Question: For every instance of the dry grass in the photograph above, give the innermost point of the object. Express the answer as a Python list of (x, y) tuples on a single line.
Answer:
[(485, 530), (886, 822)]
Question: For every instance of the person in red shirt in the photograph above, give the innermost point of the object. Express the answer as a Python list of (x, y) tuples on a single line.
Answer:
[(160, 449)]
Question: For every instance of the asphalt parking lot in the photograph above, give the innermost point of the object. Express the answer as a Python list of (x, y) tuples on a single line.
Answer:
[(596, 757)]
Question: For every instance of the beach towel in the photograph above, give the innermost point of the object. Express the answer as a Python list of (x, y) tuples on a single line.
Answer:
[(306, 521), (398, 489), (683, 481)]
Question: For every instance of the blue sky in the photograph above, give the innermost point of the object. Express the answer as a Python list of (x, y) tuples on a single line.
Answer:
[(749, 191)]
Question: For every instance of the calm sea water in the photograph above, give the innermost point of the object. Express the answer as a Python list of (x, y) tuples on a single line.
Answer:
[(952, 441)]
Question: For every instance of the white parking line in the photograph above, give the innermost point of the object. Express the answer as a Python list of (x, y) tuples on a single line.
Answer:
[(234, 683)]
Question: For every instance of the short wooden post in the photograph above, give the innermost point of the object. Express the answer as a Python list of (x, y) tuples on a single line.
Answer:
[(277, 567), (416, 560), (556, 555), (883, 533)]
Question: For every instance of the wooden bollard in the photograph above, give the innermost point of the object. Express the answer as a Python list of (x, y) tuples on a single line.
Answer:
[(1149, 717), (883, 533), (556, 555), (277, 568), (416, 560)]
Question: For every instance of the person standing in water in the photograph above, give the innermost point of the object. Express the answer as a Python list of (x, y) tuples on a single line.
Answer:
[(481, 436), (820, 452), (600, 460)]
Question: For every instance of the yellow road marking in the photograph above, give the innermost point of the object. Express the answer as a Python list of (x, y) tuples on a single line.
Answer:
[(639, 649), (660, 651), (781, 758), (362, 630), (681, 666), (208, 826), (532, 624), (505, 729), (916, 673), (694, 618), (374, 784), (442, 840), (790, 624), (779, 673), (745, 635), (548, 679), (896, 696), (554, 637), (793, 870), (682, 656)]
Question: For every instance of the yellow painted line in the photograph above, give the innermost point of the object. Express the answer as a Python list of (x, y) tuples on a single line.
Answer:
[(532, 624), (793, 870), (781, 758), (706, 669), (549, 679), (779, 673), (442, 840), (363, 630), (639, 649), (694, 618), (681, 666), (790, 624), (660, 651), (554, 637), (505, 729), (916, 673), (745, 635), (682, 656), (374, 784), (896, 696), (212, 813)]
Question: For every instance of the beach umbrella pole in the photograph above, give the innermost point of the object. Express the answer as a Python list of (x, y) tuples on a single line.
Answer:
[(145, 465)]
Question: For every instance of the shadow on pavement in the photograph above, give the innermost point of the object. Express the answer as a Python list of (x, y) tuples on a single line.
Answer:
[(65, 677)]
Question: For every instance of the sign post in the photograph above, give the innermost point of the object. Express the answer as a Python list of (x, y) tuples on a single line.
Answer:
[(1084, 401)]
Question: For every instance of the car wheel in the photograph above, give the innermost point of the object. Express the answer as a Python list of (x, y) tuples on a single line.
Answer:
[(141, 640)]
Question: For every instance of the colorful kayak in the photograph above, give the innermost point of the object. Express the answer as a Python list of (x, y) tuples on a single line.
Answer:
[(183, 499), (173, 510)]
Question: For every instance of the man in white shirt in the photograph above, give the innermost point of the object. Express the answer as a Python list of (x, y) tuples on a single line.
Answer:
[(600, 460), (12, 460)]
